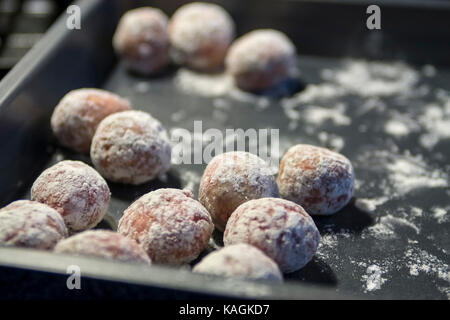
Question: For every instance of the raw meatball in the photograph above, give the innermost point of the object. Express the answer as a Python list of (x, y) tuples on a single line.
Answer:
[(76, 191), (280, 228), (103, 244), (131, 147), (169, 224), (242, 261), (142, 41), (260, 59), (200, 34), (78, 114), (31, 224), (231, 179), (320, 180)]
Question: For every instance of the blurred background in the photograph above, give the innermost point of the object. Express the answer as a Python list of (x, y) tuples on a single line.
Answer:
[(22, 24)]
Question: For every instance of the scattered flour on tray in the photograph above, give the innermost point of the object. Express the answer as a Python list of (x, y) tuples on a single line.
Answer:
[(416, 212), (403, 172), (315, 115), (373, 278), (446, 291), (429, 71), (142, 87), (370, 80), (412, 173), (330, 240), (318, 92), (216, 85), (381, 231), (220, 115), (221, 104), (401, 124), (414, 261), (178, 116), (371, 104), (431, 119), (396, 128), (260, 102), (332, 141), (435, 119), (318, 104)]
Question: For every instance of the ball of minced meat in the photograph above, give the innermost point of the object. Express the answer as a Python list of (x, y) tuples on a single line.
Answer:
[(280, 228), (103, 244), (240, 261), (31, 224), (231, 179), (169, 224)]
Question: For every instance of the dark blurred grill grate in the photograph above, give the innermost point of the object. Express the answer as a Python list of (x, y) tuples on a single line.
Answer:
[(22, 24)]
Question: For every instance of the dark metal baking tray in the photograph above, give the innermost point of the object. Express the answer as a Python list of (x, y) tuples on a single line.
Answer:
[(375, 247)]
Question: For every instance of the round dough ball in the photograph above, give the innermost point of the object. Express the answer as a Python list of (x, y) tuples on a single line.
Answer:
[(231, 179), (142, 41), (169, 224), (103, 244), (279, 228), (78, 114), (76, 191), (200, 34), (240, 261), (131, 147), (31, 224), (318, 179), (260, 59)]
